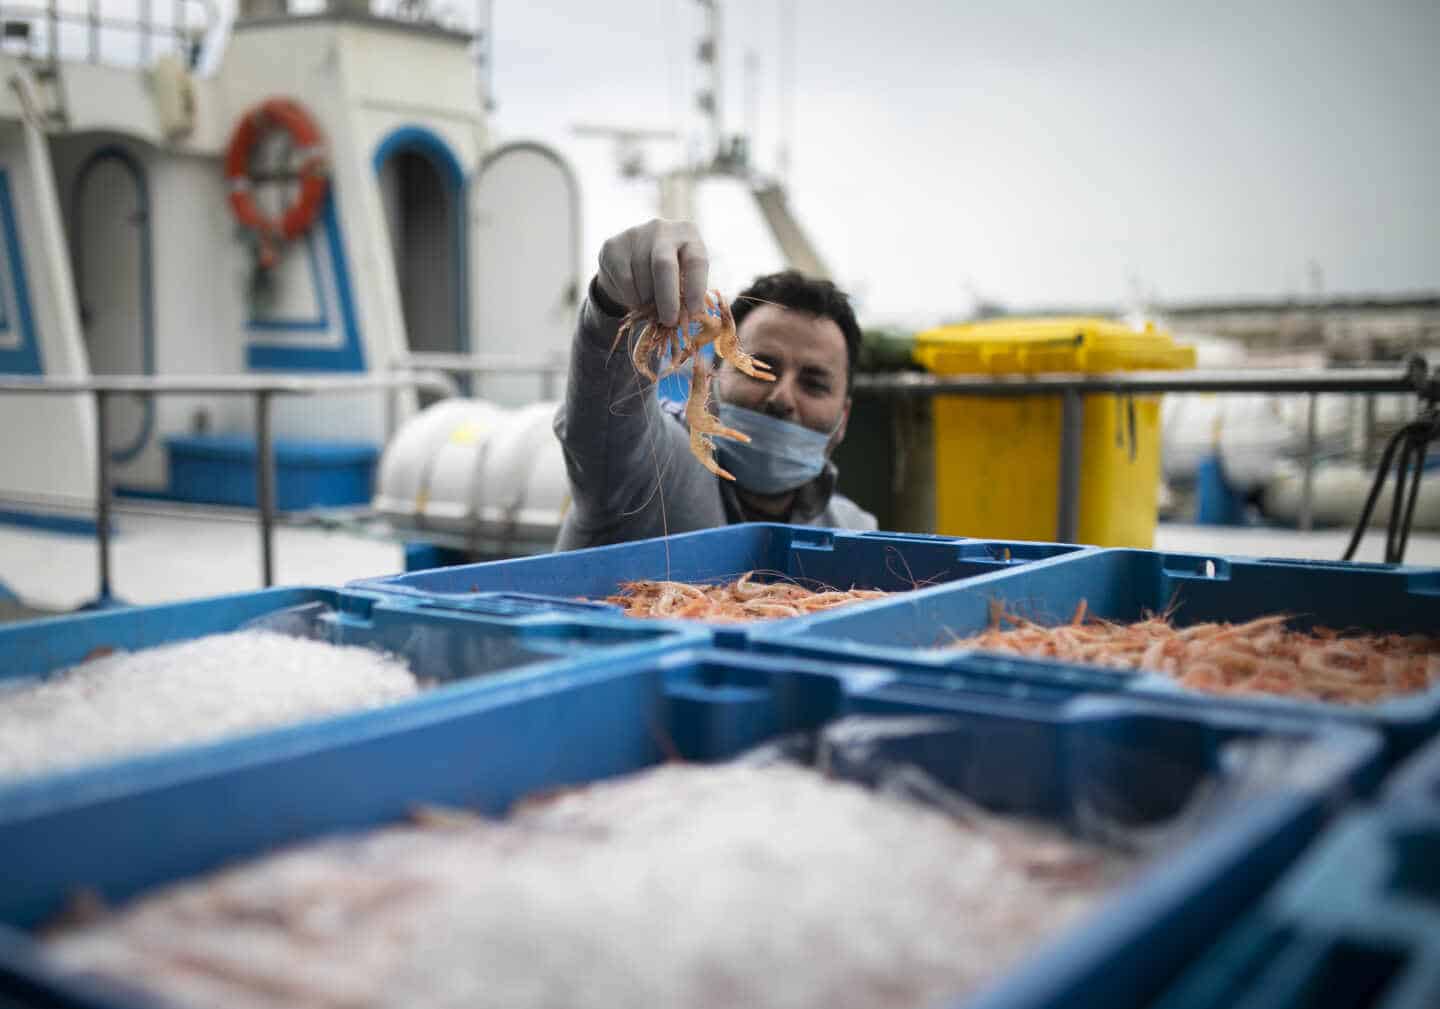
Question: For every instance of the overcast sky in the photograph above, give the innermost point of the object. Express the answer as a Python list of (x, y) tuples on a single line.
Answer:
[(1028, 152)]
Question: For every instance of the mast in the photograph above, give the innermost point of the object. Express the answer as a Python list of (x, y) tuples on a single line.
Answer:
[(711, 98), (787, 88)]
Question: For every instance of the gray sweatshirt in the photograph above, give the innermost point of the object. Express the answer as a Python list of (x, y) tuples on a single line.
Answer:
[(632, 475)]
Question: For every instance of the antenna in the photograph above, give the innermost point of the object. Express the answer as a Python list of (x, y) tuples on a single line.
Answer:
[(751, 124), (485, 51), (710, 54), (787, 87)]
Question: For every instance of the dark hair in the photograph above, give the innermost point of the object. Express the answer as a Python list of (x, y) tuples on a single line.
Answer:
[(819, 298)]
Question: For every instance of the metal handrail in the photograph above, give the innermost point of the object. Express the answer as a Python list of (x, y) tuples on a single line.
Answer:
[(220, 385), (549, 367), (1413, 378), (262, 387), (475, 363), (179, 29)]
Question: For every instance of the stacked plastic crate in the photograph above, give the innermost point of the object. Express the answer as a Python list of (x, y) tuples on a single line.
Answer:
[(537, 685), (1355, 922)]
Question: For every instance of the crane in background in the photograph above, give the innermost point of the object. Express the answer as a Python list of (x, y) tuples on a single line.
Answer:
[(726, 154)]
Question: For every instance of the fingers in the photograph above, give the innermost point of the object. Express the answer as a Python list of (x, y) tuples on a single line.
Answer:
[(640, 268), (694, 273), (665, 272), (678, 265), (616, 275), (652, 263)]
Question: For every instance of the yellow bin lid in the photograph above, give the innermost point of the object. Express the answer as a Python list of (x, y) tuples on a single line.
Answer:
[(1024, 346)]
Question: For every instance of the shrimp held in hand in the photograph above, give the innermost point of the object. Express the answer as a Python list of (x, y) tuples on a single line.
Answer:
[(727, 342), (704, 425), (717, 326)]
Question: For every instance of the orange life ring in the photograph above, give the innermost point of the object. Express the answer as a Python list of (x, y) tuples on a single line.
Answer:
[(297, 218)]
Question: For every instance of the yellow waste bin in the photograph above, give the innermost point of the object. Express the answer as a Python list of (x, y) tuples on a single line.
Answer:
[(997, 458)]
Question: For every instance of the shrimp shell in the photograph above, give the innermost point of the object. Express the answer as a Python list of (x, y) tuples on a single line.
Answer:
[(1258, 656), (717, 326), (741, 600)]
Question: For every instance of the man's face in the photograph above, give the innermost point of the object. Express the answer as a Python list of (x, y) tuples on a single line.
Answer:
[(806, 353)]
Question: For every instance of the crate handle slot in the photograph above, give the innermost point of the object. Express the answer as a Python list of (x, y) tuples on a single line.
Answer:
[(731, 637), (1009, 551), (1197, 568), (356, 605), (989, 552), (812, 539)]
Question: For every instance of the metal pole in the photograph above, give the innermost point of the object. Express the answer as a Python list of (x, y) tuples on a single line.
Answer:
[(53, 9), (484, 52), (102, 498), (1409, 380), (717, 74), (1072, 424), (94, 31), (265, 484), (1367, 433), (787, 87), (1307, 486)]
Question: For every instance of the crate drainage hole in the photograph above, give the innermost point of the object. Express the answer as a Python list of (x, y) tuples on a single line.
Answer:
[(1352, 976), (1416, 875)]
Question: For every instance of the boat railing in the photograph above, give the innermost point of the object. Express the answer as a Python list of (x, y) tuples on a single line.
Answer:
[(261, 388), (551, 368), (1413, 377), (93, 31)]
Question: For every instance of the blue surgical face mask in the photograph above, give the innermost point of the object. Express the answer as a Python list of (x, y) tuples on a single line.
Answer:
[(780, 455)]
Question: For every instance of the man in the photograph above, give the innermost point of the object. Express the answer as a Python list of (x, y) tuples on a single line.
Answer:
[(631, 472)]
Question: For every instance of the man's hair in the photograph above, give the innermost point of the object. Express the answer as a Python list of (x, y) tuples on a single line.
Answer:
[(820, 298)]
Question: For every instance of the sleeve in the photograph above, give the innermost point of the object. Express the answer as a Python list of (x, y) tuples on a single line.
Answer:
[(620, 450)]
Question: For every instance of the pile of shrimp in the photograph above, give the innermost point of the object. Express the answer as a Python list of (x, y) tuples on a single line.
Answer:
[(715, 325), (733, 602), (1262, 656)]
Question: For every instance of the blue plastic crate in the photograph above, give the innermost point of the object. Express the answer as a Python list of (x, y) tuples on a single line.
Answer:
[(1355, 924), (1125, 585), (1137, 759), (889, 561), (220, 469), (458, 652)]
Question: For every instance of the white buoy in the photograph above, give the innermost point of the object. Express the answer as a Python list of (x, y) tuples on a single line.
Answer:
[(475, 468), (1339, 493)]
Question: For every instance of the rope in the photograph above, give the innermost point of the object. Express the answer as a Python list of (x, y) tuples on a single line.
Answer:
[(1407, 450)]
